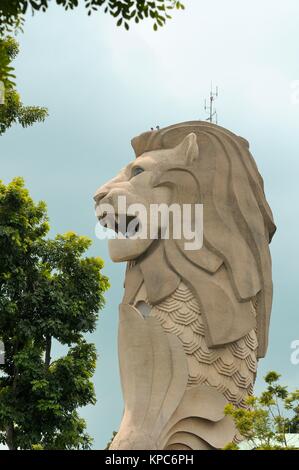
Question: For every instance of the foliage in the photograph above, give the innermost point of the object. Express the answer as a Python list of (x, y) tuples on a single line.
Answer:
[(268, 418), (48, 290), (12, 110), (12, 11), (294, 422), (111, 440), (8, 51)]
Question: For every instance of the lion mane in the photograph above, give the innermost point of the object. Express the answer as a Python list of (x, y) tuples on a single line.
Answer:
[(232, 270)]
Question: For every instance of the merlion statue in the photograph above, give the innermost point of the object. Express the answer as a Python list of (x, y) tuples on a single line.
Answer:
[(193, 323)]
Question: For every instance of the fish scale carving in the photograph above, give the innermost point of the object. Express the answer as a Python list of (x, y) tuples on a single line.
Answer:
[(230, 369)]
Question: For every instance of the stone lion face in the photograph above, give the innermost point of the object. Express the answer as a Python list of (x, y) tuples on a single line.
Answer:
[(139, 183)]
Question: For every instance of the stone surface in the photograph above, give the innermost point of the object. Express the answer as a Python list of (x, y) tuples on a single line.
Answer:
[(193, 323)]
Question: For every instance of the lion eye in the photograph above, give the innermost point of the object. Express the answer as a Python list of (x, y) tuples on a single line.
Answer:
[(137, 170)]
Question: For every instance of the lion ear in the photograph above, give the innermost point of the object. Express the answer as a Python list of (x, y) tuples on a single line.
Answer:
[(188, 148)]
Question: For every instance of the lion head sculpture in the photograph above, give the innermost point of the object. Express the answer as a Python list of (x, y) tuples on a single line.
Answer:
[(189, 163)]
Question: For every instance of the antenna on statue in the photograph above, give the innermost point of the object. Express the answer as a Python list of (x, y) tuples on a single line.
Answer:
[(210, 107)]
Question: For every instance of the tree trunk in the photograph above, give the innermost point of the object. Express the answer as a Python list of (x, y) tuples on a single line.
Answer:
[(10, 437), (48, 351)]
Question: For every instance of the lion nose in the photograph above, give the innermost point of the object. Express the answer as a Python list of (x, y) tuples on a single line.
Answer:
[(99, 195)]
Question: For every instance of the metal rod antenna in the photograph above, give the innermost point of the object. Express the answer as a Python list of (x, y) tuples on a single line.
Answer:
[(211, 110)]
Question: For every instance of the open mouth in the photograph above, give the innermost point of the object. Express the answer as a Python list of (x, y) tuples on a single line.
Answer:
[(127, 225)]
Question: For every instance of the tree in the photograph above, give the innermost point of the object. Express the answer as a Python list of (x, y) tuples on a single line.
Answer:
[(268, 418), (294, 422), (48, 291), (12, 11), (11, 107)]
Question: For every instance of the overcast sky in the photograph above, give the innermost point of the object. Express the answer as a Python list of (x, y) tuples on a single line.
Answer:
[(103, 86)]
